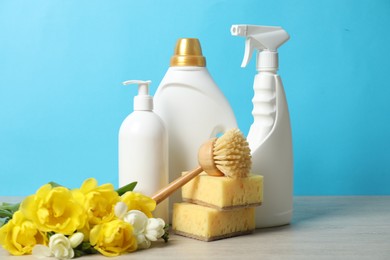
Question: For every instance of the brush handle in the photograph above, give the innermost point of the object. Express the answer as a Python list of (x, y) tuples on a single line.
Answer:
[(176, 184)]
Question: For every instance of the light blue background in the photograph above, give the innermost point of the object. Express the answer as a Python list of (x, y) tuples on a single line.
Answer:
[(62, 102)]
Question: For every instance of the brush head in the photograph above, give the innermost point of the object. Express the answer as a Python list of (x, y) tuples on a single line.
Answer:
[(228, 155)]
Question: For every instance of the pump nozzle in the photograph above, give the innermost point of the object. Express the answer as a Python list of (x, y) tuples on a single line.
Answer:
[(143, 101), (268, 38)]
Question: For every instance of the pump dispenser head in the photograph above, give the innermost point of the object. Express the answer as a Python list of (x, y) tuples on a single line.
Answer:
[(143, 101), (266, 39), (188, 53)]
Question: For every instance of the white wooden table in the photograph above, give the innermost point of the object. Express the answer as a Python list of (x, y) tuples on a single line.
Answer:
[(322, 228)]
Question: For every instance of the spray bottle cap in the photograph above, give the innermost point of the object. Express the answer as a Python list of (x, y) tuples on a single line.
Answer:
[(143, 101), (267, 39), (188, 53)]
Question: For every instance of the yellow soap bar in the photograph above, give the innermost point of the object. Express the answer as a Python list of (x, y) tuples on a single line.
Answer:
[(207, 224), (224, 192)]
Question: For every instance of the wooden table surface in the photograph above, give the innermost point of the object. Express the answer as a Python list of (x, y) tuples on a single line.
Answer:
[(322, 228)]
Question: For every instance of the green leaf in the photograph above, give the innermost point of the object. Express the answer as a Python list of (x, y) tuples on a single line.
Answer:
[(126, 188), (5, 213), (85, 248), (4, 221), (55, 184), (12, 207), (166, 234), (7, 210), (78, 253)]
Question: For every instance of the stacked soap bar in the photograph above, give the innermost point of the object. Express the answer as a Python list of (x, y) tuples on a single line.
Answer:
[(217, 207)]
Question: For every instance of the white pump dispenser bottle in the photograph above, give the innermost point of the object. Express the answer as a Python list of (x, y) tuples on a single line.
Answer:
[(269, 136), (143, 148)]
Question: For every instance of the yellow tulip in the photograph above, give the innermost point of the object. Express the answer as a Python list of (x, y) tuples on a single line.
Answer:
[(138, 201), (54, 209), (98, 201), (113, 238), (20, 235)]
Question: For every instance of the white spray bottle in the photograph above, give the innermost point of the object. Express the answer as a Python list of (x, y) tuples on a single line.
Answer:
[(269, 136), (143, 148)]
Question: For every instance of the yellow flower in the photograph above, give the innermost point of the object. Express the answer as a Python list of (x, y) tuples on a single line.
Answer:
[(138, 201), (98, 201), (54, 209), (20, 235), (113, 238)]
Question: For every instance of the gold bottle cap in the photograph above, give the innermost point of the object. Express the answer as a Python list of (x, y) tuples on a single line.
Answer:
[(188, 53)]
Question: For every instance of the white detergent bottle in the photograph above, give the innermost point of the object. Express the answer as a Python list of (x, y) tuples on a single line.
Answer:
[(192, 106), (269, 136), (143, 148)]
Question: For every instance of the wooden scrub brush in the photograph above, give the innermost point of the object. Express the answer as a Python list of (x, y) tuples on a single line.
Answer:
[(228, 155)]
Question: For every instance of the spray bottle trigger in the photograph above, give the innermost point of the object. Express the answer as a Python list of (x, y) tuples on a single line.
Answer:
[(248, 52), (250, 45)]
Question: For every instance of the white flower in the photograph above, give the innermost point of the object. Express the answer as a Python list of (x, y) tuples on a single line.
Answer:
[(41, 251), (137, 219), (120, 209), (76, 239), (155, 229), (145, 229), (60, 246)]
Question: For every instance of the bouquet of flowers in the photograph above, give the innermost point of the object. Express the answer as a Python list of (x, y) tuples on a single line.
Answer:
[(63, 223)]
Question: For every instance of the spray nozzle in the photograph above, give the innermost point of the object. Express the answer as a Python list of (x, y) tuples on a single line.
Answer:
[(143, 101), (263, 38)]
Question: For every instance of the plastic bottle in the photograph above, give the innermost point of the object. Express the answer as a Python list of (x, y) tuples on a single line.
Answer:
[(192, 106), (269, 136), (143, 148)]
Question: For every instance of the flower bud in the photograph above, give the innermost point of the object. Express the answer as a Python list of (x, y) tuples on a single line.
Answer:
[(76, 239)]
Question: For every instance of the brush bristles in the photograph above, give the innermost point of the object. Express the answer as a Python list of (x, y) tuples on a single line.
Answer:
[(232, 154)]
